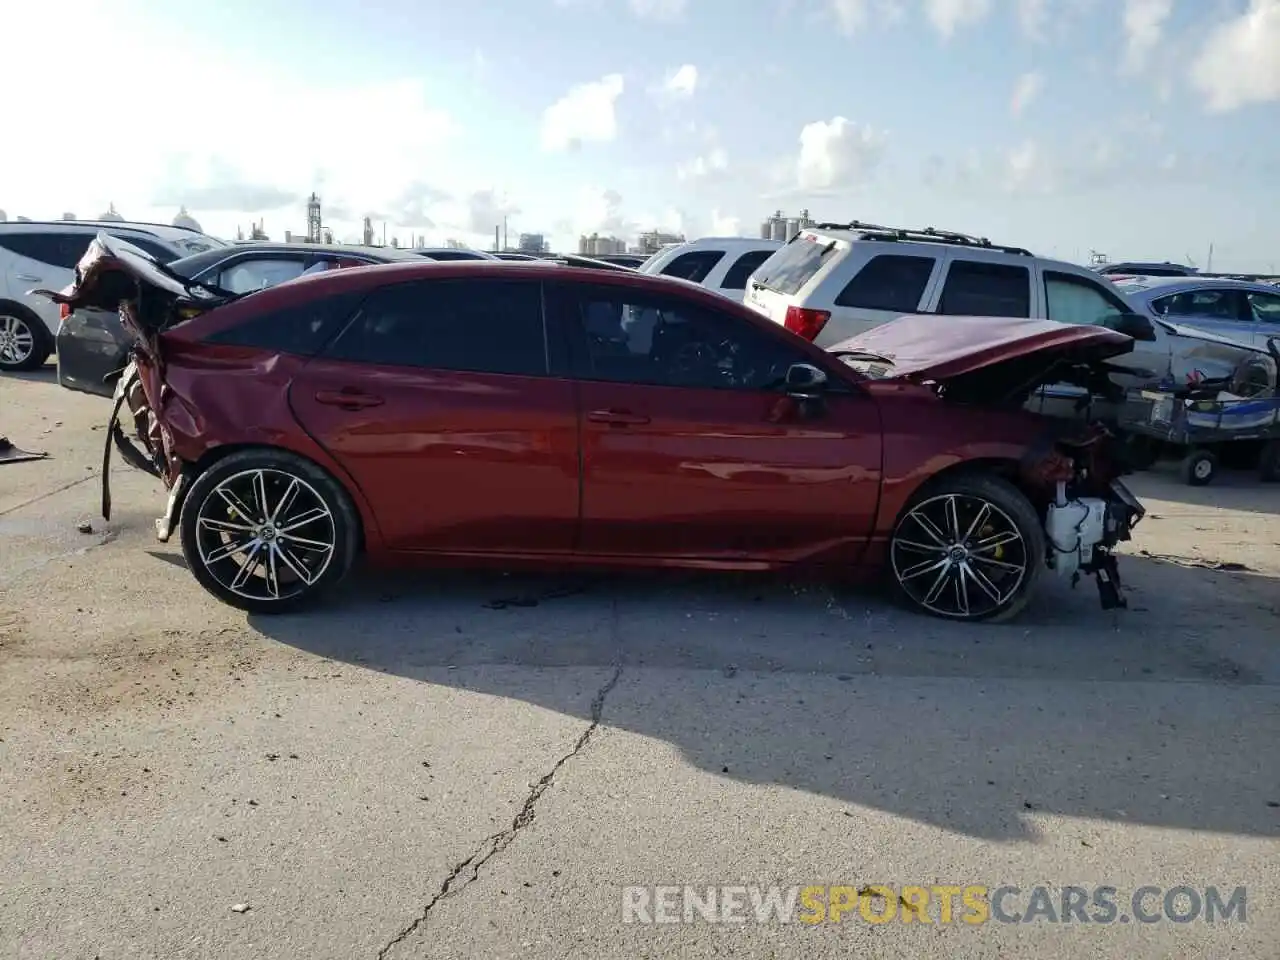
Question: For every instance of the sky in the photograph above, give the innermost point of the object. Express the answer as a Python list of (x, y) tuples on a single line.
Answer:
[(1142, 129)]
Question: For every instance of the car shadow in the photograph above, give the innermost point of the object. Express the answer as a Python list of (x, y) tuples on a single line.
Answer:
[(1131, 715), (46, 374)]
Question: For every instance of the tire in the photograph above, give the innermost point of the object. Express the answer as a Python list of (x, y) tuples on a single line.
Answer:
[(209, 526), (25, 344), (1008, 511), (1198, 468), (1269, 462)]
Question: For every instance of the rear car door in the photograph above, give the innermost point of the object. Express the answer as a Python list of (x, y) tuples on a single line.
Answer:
[(1266, 314), (690, 447), (44, 259), (886, 287), (445, 402), (984, 288)]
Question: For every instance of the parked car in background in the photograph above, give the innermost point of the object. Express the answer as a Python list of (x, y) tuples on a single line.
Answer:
[(1135, 269), (722, 264), (835, 281), (93, 348), (604, 418), (44, 254), (1237, 309), (633, 260), (453, 253)]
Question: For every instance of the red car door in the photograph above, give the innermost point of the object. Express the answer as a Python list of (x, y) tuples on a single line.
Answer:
[(439, 399), (691, 448)]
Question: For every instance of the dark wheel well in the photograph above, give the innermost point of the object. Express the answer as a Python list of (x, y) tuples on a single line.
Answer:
[(215, 454), (1001, 467)]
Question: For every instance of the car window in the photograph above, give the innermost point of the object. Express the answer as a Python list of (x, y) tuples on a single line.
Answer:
[(736, 276), (249, 275), (794, 265), (484, 326), (1265, 306), (303, 330), (888, 282), (976, 289), (1206, 304), (443, 255), (1072, 299), (661, 341), (694, 265), (57, 249)]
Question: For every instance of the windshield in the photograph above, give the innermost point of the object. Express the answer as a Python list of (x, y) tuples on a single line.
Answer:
[(794, 265)]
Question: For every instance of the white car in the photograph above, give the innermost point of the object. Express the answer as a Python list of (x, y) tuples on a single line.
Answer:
[(722, 264), (44, 254), (836, 281)]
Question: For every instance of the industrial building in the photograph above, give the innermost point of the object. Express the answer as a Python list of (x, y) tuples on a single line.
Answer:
[(651, 241), (782, 228), (598, 246)]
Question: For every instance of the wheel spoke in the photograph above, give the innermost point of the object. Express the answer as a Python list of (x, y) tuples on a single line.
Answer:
[(286, 500), (962, 591), (302, 519), (247, 568), (230, 549), (273, 574), (296, 565), (236, 504), (939, 585), (920, 569), (953, 519), (983, 515), (929, 527), (922, 547), (304, 543), (225, 526), (984, 584), (995, 541), (259, 488), (998, 564)]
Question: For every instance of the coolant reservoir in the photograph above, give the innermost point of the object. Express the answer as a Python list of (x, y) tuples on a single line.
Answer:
[(1073, 529)]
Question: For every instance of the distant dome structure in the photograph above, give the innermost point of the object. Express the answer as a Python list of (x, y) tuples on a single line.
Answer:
[(111, 215), (4, 217), (68, 216), (186, 221)]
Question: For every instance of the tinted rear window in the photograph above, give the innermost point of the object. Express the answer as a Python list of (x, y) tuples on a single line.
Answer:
[(303, 330), (975, 289), (745, 266), (795, 264), (452, 255), (694, 265), (888, 282)]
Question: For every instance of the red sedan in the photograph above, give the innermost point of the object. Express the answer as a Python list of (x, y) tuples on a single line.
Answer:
[(496, 412)]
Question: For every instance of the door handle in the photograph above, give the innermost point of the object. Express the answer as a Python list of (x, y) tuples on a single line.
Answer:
[(617, 418), (348, 399), (29, 278)]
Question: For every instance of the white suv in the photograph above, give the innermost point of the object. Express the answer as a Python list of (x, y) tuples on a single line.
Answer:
[(44, 255), (834, 281), (722, 264)]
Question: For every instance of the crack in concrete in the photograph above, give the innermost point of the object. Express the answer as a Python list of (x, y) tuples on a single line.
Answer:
[(467, 871)]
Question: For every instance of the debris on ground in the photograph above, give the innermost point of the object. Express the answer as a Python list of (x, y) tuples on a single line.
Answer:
[(239, 908), (85, 528), (11, 454)]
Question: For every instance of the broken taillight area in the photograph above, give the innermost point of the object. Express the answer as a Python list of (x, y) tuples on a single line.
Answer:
[(805, 322)]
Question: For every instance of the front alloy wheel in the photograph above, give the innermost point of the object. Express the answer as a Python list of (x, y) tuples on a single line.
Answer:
[(265, 530), (969, 550)]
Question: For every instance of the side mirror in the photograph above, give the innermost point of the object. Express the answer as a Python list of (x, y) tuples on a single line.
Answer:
[(804, 381), (1273, 348), (1134, 325)]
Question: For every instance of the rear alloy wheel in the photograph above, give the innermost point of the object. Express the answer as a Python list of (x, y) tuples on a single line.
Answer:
[(267, 531), (23, 342), (969, 548)]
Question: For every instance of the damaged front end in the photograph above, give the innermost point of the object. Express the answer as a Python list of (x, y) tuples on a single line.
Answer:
[(115, 275), (1087, 509), (1071, 470)]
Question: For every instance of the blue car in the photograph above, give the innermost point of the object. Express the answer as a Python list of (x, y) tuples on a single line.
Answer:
[(1242, 310)]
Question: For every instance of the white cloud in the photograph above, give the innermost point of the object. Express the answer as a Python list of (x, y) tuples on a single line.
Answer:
[(1144, 22), (716, 161), (837, 153), (683, 81), (725, 225), (271, 159), (1240, 62), (948, 16), (853, 16), (664, 11), (587, 113), (1025, 168), (1032, 15), (1026, 90), (599, 210)]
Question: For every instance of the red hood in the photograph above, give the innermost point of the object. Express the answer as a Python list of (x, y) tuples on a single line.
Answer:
[(931, 347)]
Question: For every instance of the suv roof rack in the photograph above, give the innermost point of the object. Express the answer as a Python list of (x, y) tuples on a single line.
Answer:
[(874, 231)]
